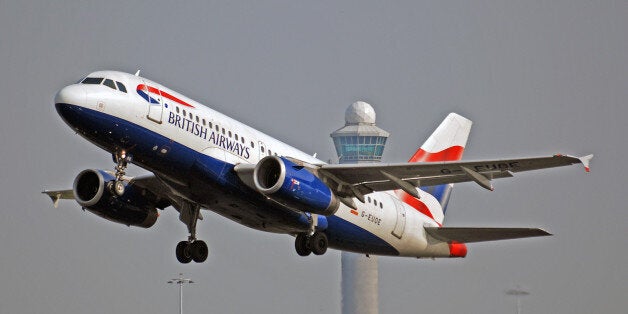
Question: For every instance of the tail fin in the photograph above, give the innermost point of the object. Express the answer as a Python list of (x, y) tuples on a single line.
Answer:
[(447, 143)]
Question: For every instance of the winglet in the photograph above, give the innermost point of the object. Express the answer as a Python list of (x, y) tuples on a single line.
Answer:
[(586, 160), (55, 196)]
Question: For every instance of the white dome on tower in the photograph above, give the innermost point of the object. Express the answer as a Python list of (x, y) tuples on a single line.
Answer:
[(360, 113)]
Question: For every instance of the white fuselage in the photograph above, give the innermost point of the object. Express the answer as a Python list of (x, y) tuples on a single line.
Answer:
[(210, 133)]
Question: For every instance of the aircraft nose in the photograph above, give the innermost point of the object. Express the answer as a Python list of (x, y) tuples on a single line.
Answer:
[(71, 95)]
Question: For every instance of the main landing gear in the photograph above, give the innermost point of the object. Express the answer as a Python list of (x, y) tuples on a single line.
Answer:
[(316, 243), (196, 251), (122, 159), (192, 249)]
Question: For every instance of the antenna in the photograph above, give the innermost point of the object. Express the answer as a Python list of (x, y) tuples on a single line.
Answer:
[(137, 73)]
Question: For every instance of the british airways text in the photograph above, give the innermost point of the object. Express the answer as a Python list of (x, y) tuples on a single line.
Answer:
[(213, 137)]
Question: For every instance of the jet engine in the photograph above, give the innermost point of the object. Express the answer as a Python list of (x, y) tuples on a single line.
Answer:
[(294, 186), (92, 191)]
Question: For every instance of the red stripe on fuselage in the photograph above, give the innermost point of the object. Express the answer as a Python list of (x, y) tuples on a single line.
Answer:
[(450, 154), (414, 202), (163, 94)]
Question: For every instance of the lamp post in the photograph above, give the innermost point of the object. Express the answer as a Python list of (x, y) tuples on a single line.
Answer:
[(517, 293), (180, 281)]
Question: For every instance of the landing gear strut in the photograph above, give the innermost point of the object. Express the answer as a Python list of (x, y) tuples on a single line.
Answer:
[(121, 159), (192, 249), (316, 243)]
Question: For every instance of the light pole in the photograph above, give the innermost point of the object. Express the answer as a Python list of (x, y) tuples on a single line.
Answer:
[(517, 293), (180, 281)]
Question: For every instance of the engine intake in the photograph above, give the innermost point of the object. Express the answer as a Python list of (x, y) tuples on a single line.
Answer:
[(92, 192), (294, 186)]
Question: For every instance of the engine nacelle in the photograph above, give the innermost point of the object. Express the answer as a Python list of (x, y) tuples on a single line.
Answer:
[(91, 191), (294, 186)]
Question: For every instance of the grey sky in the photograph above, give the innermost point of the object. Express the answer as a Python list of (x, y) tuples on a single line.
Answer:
[(536, 77)]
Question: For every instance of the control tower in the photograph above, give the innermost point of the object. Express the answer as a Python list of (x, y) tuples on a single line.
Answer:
[(359, 141)]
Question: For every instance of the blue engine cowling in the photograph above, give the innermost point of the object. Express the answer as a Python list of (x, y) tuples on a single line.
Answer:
[(294, 186), (92, 192)]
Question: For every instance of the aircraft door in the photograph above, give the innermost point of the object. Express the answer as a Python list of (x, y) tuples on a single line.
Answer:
[(155, 103), (400, 225)]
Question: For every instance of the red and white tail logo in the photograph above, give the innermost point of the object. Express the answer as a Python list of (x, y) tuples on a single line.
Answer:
[(447, 143)]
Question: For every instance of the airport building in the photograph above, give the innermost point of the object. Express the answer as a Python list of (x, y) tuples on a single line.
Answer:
[(359, 141)]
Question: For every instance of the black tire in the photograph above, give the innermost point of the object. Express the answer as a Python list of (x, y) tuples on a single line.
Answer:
[(184, 255), (318, 243), (199, 251), (302, 245)]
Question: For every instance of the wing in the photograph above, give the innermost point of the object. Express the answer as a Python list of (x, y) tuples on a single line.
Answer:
[(470, 235), (159, 193), (360, 179)]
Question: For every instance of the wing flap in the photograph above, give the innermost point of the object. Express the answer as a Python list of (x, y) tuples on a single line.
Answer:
[(470, 235)]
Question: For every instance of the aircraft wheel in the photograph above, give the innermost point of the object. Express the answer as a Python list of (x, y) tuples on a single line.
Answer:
[(118, 188), (318, 243), (183, 252), (199, 251), (302, 245)]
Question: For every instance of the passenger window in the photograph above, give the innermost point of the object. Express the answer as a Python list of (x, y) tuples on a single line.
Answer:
[(236, 136), (210, 125), (197, 119), (375, 202), (252, 145), (121, 87), (190, 116), (262, 148), (184, 113), (269, 152), (223, 131), (92, 80), (369, 199), (217, 128), (229, 133), (109, 83), (177, 109), (381, 205), (243, 141)]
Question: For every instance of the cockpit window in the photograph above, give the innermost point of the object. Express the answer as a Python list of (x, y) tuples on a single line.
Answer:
[(121, 87), (109, 83), (92, 80)]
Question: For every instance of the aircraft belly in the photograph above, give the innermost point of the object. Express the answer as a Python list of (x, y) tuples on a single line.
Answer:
[(201, 178)]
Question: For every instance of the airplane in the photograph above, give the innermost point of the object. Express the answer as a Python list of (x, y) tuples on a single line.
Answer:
[(200, 159)]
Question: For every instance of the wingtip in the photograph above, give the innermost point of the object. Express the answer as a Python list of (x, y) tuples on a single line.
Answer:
[(586, 161), (544, 233)]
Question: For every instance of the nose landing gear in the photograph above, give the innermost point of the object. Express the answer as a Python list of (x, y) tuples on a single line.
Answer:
[(122, 159)]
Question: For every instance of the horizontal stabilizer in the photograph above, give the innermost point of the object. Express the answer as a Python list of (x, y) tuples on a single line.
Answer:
[(469, 235)]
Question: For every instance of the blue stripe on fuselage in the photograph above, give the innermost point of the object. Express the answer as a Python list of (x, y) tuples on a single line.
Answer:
[(209, 178)]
